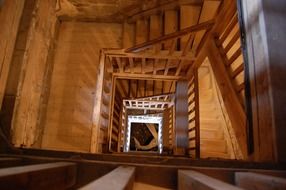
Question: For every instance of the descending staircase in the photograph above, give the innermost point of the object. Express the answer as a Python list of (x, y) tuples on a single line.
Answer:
[(214, 132), (80, 172), (141, 56)]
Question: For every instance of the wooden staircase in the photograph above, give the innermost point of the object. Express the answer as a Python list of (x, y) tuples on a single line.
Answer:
[(34, 172)]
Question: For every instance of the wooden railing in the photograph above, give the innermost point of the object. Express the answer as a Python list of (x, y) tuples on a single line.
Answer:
[(115, 126), (105, 108), (229, 46), (194, 117), (171, 121)]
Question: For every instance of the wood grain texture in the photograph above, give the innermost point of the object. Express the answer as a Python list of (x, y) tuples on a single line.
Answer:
[(25, 124), (73, 94), (10, 16)]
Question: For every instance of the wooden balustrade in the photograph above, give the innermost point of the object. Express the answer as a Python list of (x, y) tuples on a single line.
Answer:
[(194, 118), (229, 46)]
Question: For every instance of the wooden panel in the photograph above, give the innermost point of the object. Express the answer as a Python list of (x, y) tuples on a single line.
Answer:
[(76, 91), (128, 35), (9, 162), (170, 25), (20, 47), (141, 31), (122, 178), (31, 91), (195, 180), (253, 181), (10, 16), (59, 175), (155, 26)]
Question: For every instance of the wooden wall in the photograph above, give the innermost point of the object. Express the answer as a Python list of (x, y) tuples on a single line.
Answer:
[(69, 115), (33, 75), (10, 16), (265, 24)]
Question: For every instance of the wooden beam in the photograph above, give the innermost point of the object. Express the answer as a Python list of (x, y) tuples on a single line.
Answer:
[(189, 179), (189, 30), (163, 54), (8, 162), (122, 178), (60, 175), (232, 104), (147, 76), (253, 181)]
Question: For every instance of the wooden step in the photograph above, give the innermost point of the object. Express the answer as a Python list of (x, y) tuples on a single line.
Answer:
[(59, 175), (213, 145), (189, 16), (212, 134), (122, 178), (213, 154), (188, 179)]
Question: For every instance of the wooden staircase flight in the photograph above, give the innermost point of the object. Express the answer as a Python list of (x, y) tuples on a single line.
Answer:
[(169, 45), (159, 44)]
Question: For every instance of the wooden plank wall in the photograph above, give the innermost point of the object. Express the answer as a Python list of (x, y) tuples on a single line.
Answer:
[(265, 24), (69, 117), (33, 74), (10, 16)]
